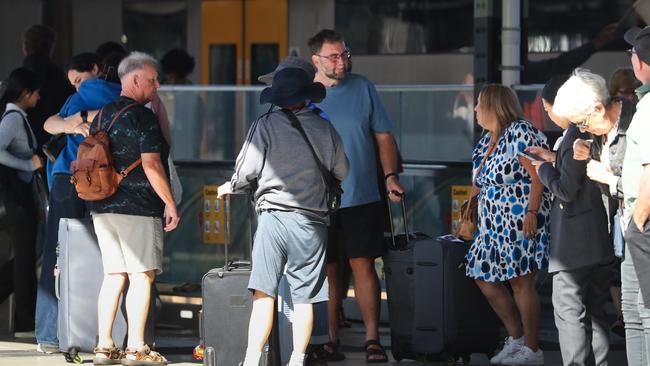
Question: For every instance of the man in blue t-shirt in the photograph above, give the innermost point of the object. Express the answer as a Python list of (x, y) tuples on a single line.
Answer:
[(356, 231)]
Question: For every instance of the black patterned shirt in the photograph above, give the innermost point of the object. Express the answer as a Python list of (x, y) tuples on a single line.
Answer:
[(135, 132)]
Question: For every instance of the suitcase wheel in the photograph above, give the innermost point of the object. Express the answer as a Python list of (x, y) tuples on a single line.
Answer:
[(453, 360), (394, 349), (73, 357)]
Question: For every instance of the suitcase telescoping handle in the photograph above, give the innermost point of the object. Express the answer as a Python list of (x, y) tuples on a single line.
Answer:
[(228, 239), (390, 215)]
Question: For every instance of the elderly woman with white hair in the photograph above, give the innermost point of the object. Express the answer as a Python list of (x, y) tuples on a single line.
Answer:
[(581, 260), (585, 101)]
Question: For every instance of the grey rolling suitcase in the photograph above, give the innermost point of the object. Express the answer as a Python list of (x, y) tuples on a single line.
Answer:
[(435, 311), (227, 305), (77, 284)]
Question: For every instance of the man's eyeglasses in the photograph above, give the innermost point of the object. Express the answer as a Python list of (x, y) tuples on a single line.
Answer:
[(584, 124), (630, 52), (345, 55)]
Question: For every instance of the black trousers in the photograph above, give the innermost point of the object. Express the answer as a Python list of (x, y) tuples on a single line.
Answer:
[(18, 275)]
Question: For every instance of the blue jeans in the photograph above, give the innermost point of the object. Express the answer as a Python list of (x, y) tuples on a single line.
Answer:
[(63, 203), (635, 315)]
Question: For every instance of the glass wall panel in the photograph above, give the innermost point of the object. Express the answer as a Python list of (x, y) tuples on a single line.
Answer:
[(379, 27), (223, 64), (433, 127), (155, 27), (187, 256)]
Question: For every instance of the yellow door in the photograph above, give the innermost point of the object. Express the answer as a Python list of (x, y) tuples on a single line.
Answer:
[(242, 39)]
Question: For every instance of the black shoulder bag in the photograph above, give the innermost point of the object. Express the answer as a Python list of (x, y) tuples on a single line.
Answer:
[(333, 190)]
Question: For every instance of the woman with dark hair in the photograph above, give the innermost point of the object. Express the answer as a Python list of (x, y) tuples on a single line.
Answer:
[(93, 92), (18, 161), (82, 67), (513, 208)]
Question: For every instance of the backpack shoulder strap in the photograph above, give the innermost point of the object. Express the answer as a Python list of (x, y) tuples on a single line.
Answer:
[(99, 120), (295, 122), (28, 130), (128, 169), (117, 115)]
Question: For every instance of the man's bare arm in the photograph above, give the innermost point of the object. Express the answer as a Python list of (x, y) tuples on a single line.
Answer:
[(155, 172), (388, 159)]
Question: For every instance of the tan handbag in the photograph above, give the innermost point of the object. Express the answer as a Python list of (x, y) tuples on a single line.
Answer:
[(468, 224), (468, 219)]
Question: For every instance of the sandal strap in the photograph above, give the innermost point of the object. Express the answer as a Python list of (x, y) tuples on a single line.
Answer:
[(373, 342), (112, 353), (146, 354), (377, 350)]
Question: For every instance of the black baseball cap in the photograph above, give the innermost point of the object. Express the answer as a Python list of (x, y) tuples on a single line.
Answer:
[(640, 40)]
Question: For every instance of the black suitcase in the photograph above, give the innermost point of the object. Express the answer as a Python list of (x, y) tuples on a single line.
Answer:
[(226, 312), (435, 311), (77, 286)]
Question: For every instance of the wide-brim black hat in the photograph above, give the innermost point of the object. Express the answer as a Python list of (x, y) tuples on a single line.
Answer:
[(292, 86)]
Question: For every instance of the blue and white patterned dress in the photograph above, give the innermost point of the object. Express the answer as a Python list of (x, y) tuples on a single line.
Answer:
[(500, 251)]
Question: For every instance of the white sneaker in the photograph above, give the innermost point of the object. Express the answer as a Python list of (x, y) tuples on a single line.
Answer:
[(525, 356), (510, 347), (47, 348)]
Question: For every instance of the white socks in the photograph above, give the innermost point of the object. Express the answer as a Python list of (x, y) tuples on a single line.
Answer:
[(297, 359), (252, 357)]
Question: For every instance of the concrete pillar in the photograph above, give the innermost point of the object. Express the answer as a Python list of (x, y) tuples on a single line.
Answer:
[(510, 42)]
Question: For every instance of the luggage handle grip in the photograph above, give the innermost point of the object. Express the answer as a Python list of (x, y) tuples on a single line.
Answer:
[(227, 216), (57, 286), (390, 214)]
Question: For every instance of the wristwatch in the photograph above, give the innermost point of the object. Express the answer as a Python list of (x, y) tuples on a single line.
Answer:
[(84, 116)]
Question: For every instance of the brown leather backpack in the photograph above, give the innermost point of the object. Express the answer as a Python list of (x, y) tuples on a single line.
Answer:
[(93, 173)]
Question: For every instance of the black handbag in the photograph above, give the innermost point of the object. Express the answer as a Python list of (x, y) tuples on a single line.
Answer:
[(10, 207), (53, 147), (333, 190)]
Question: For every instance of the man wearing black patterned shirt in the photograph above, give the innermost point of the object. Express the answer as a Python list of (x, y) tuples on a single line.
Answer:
[(129, 223)]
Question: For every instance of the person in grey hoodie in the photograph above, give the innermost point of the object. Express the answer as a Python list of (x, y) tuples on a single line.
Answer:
[(277, 165)]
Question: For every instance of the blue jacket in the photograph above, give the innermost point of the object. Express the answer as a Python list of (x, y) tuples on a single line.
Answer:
[(93, 94)]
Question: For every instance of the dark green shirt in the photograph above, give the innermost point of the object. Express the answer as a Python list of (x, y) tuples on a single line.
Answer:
[(135, 132)]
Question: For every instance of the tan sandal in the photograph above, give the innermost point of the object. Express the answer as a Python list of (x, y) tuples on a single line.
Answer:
[(113, 355), (143, 357)]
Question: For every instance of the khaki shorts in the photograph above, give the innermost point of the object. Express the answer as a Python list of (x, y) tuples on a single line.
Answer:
[(129, 243)]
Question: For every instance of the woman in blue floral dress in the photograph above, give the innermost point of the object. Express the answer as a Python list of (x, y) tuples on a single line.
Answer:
[(513, 210)]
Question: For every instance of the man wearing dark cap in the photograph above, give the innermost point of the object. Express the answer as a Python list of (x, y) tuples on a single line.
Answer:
[(277, 165), (636, 194)]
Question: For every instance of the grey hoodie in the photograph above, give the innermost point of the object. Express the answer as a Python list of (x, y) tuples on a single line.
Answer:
[(275, 162)]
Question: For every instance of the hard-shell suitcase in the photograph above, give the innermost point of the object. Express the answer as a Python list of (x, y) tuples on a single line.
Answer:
[(78, 283), (435, 311), (452, 317), (227, 305)]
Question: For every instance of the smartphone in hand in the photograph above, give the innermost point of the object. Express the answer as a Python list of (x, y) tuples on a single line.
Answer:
[(530, 156)]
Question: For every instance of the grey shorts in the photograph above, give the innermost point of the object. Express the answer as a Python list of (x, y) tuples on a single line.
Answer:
[(299, 242)]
